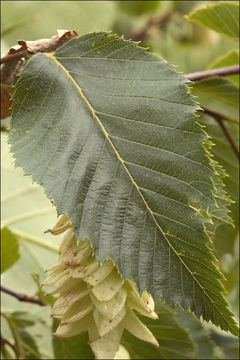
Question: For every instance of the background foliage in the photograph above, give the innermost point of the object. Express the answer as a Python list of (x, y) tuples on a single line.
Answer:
[(27, 213)]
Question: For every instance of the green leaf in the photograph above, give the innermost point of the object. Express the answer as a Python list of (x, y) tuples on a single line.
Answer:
[(9, 249), (47, 299), (75, 347), (109, 130), (224, 154), (24, 343), (230, 267), (29, 345), (231, 58), (31, 341), (174, 341), (198, 333), (218, 88), (22, 319), (222, 16), (227, 344)]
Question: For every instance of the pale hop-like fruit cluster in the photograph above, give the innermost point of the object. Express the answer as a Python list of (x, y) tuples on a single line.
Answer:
[(94, 298)]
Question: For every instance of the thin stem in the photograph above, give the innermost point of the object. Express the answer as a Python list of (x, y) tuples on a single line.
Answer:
[(35, 240), (20, 296), (220, 119), (29, 349), (28, 48), (229, 119), (4, 341), (223, 71), (224, 116), (16, 336)]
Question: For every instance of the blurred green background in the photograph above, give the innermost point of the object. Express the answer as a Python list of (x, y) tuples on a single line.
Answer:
[(189, 46)]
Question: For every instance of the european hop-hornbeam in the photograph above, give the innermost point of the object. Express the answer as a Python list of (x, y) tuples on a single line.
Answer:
[(93, 297)]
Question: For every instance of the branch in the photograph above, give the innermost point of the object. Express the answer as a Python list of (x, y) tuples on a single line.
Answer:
[(152, 21), (224, 71), (14, 56), (25, 48), (220, 119), (20, 296)]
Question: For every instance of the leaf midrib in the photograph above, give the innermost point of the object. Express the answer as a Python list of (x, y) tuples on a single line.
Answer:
[(54, 59)]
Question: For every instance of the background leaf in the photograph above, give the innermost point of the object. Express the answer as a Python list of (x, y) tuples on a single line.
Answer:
[(143, 185), (227, 346), (9, 249), (22, 319), (198, 333), (29, 344), (225, 235), (173, 339), (25, 344), (191, 47), (231, 58), (46, 299), (218, 88), (75, 347), (221, 16)]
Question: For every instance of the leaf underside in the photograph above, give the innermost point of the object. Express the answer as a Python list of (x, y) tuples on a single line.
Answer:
[(109, 130)]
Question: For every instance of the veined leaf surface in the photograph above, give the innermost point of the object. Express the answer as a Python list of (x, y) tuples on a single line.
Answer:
[(221, 16), (109, 130)]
